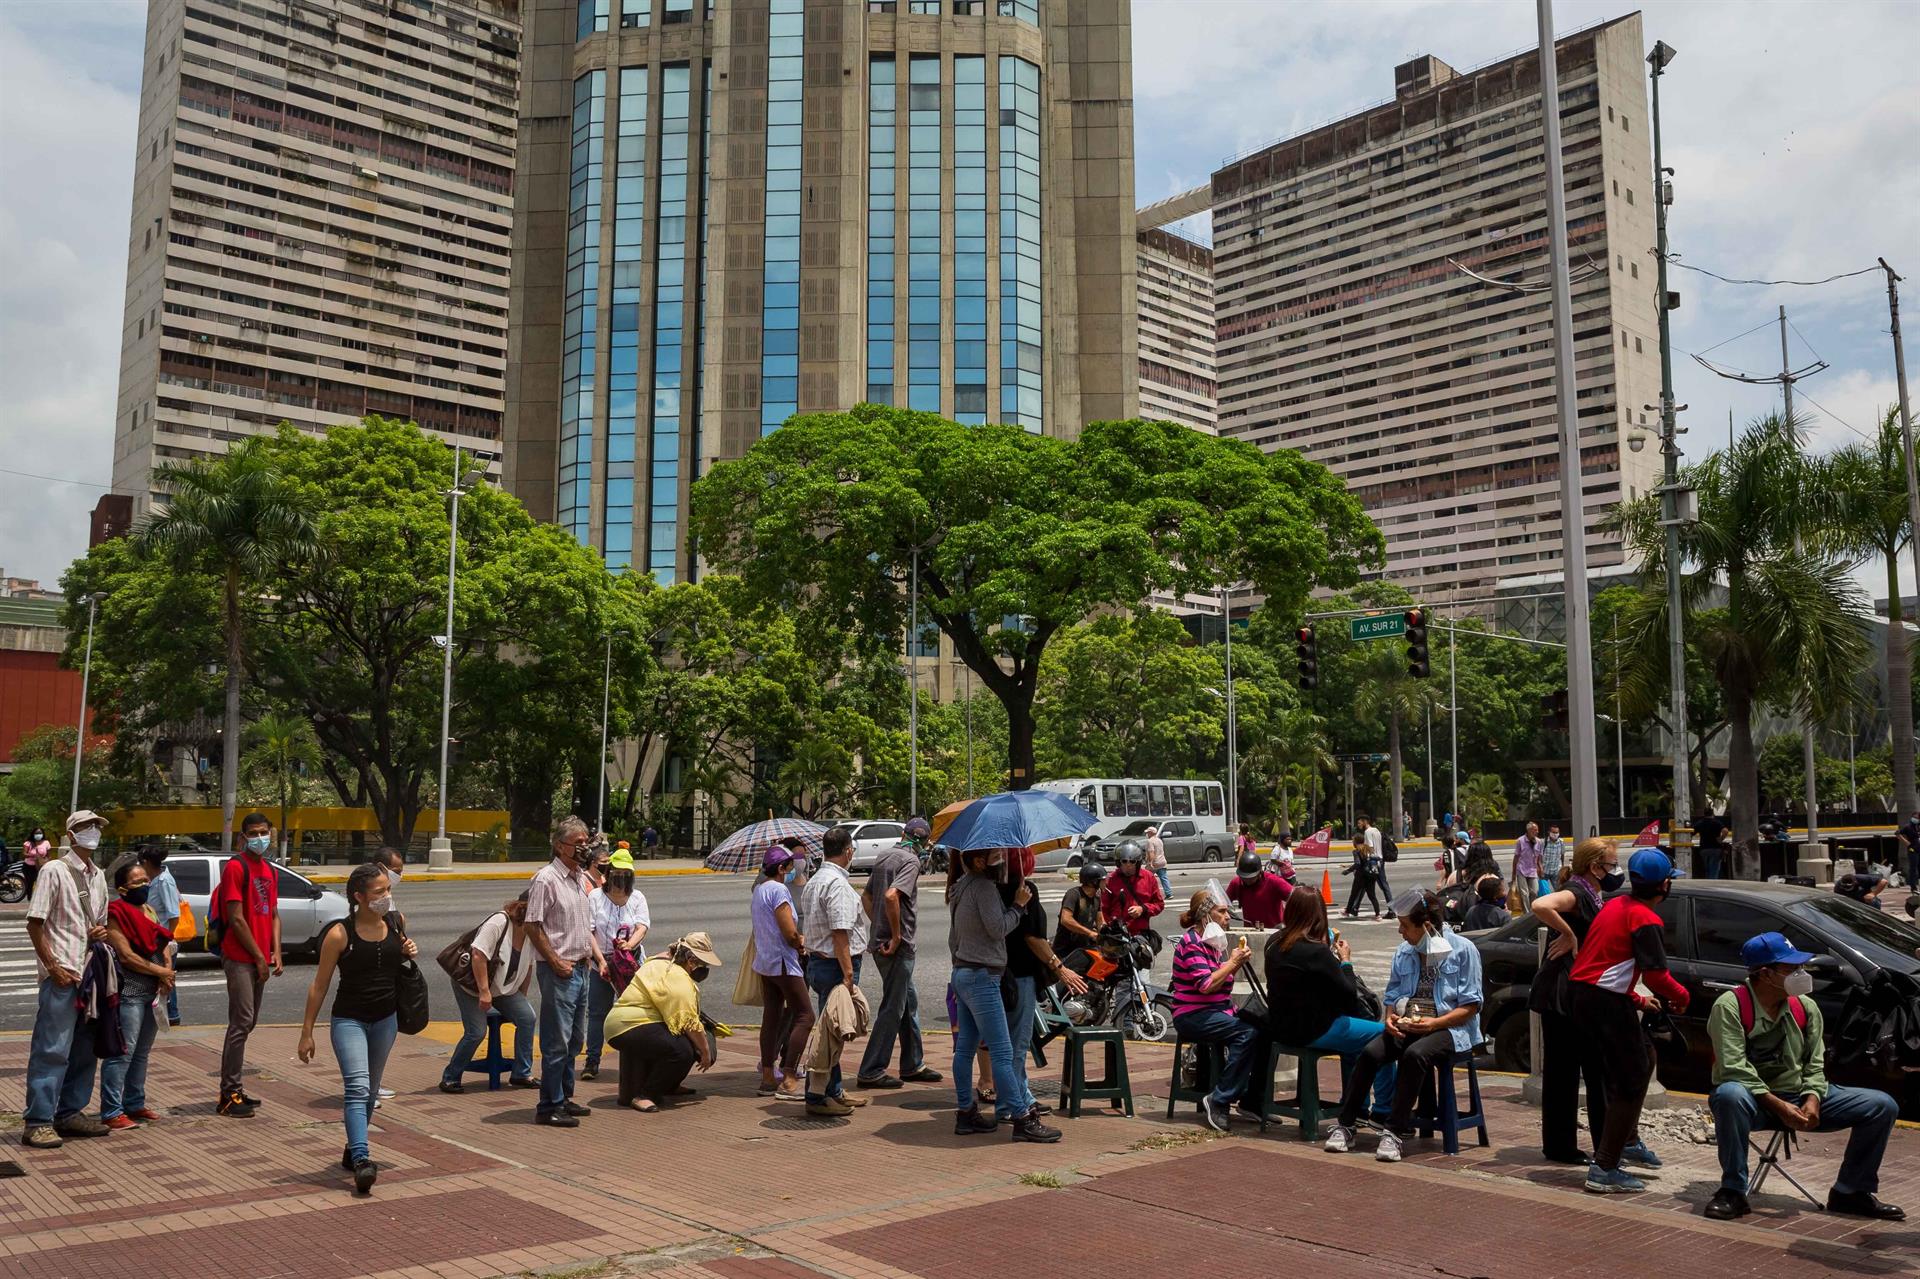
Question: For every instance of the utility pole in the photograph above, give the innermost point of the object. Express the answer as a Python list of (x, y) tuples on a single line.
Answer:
[(1433, 788), (606, 699), (1906, 415), (1573, 521), (913, 695), (969, 678), (1671, 499), (86, 674), (1619, 728), (1233, 760), (1806, 727), (1453, 715)]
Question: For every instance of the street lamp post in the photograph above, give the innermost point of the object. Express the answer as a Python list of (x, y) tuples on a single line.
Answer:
[(86, 673), (440, 852), (913, 694), (1233, 727), (606, 696)]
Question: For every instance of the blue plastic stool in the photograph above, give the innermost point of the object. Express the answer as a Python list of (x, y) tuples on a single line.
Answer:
[(1440, 1105), (495, 1064)]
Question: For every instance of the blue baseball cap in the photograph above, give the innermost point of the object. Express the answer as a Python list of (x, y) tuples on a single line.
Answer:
[(1650, 866), (1771, 948)]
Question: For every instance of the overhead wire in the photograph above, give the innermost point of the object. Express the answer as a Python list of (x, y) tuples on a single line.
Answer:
[(52, 479), (1673, 259)]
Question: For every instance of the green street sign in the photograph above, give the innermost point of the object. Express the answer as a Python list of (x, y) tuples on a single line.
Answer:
[(1383, 626)]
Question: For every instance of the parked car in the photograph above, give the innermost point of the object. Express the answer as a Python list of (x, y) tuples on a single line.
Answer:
[(870, 839), (306, 909), (1184, 840), (1066, 859), (1706, 923)]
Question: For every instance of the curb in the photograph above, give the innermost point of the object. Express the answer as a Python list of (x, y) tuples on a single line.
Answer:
[(484, 876)]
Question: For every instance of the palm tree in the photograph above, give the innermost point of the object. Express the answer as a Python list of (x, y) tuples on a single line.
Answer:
[(1483, 797), (235, 515), (1792, 631), (1287, 757), (283, 753), (1388, 692), (1869, 485)]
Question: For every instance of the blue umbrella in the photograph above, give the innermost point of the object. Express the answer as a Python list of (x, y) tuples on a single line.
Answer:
[(1015, 819)]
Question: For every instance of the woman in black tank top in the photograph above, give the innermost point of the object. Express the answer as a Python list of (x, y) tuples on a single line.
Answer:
[(367, 953)]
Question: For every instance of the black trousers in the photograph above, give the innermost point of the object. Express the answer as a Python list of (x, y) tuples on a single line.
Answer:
[(1417, 1058), (1614, 1039), (653, 1061), (1362, 884), (1565, 1068)]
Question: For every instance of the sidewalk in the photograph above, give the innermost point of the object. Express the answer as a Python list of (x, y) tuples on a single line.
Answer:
[(732, 1186), (477, 872)]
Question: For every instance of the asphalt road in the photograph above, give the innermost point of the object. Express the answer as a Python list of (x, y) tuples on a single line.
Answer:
[(439, 912)]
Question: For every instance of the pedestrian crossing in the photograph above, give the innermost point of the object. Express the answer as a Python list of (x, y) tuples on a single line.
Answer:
[(19, 974)]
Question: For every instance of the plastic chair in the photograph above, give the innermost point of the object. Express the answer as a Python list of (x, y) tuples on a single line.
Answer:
[(1305, 1106), (1209, 1063), (495, 1063), (1440, 1105), (1075, 1087)]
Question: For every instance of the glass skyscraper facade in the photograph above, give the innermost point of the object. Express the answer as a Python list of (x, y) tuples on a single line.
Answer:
[(771, 207)]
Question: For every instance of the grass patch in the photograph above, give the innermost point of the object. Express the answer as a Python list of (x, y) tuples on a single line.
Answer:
[(1175, 1140), (1045, 1180)]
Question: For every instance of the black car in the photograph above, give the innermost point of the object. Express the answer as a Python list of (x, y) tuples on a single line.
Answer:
[(1706, 923)]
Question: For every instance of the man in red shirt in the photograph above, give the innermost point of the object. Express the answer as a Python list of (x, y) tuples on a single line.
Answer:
[(1132, 893), (248, 900), (1261, 893), (1625, 945)]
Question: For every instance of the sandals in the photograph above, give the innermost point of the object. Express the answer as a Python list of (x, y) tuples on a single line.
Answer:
[(644, 1106)]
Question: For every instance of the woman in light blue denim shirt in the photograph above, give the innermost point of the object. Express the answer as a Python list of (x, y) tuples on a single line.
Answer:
[(1433, 1011)]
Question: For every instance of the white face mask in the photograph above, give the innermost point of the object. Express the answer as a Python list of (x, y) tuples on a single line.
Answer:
[(1799, 982), (87, 839), (381, 905), (1214, 935), (259, 844), (1434, 947)]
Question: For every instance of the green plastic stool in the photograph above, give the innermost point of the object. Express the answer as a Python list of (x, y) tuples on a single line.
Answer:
[(1075, 1087), (1209, 1062), (1305, 1105)]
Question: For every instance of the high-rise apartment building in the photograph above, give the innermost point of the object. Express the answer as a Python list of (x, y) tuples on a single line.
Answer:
[(322, 208), (1176, 330), (1347, 328), (733, 212)]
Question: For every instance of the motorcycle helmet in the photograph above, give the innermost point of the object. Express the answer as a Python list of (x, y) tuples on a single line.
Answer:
[(1129, 851), (1248, 866), (1091, 874)]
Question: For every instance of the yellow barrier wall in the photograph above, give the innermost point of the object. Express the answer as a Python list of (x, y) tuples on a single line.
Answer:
[(139, 822)]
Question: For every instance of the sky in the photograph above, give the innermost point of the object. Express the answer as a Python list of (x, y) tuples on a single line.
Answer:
[(1790, 124)]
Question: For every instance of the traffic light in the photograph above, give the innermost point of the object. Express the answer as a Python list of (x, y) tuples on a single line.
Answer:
[(1308, 648), (1558, 720), (1416, 622)]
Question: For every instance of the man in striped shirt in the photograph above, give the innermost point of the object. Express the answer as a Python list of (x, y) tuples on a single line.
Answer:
[(67, 917)]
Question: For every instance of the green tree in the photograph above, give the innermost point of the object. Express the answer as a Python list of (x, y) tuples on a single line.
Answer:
[(1283, 760), (281, 755), (1390, 695), (39, 789), (234, 516), (1483, 799), (1792, 631), (1869, 485), (1128, 696), (1017, 536), (1783, 774), (1636, 653)]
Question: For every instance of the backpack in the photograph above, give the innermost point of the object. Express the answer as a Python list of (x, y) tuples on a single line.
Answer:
[(217, 915), (1743, 998), (621, 964), (1389, 851)]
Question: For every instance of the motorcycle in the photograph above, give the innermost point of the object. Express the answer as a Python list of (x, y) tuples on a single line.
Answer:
[(13, 883), (1117, 966)]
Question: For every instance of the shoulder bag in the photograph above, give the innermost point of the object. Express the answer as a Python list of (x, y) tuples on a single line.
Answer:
[(457, 957), (411, 1006)]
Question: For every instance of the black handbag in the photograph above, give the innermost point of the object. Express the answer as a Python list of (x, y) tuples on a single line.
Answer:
[(411, 1007)]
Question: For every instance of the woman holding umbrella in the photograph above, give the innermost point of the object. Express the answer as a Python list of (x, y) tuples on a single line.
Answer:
[(977, 939)]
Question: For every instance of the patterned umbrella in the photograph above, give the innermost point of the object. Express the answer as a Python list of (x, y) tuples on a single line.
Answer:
[(743, 849)]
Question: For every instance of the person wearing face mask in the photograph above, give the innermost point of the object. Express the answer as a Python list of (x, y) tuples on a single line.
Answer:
[(981, 922), (367, 951), (249, 903), (559, 923), (656, 1025), (501, 969), (35, 853), (1433, 1011), (144, 950), (1769, 1071), (787, 1009), (1624, 946), (619, 918), (1203, 975), (67, 924), (1568, 913)]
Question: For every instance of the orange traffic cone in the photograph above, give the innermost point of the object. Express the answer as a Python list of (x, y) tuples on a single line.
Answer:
[(1326, 887)]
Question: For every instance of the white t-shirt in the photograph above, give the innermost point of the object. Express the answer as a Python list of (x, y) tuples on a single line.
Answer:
[(495, 941), (1373, 839), (608, 919)]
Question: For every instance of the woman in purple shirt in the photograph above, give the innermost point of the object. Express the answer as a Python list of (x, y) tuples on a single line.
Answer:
[(776, 958)]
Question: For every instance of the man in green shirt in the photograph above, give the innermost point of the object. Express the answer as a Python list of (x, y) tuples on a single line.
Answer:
[(1769, 1071)]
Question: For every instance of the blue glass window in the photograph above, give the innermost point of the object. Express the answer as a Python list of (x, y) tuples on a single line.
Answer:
[(924, 210), (573, 508), (1020, 332), (623, 351), (670, 304), (700, 303), (1025, 10), (786, 37), (969, 238), (591, 16), (882, 119), (635, 13)]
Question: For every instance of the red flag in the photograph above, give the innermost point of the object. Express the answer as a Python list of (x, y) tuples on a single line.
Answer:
[(1650, 837), (1318, 844)]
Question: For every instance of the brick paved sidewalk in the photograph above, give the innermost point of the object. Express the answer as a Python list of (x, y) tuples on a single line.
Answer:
[(731, 1186)]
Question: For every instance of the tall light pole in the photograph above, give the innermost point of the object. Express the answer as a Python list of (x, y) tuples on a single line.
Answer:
[(1453, 717), (1806, 726), (1905, 801), (1672, 496), (1573, 521), (440, 852), (1233, 727), (913, 694), (86, 673), (606, 696)]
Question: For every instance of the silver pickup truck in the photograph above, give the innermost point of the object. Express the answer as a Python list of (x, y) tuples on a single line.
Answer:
[(1182, 837)]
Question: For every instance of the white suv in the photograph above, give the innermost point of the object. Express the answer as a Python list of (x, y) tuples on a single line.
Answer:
[(306, 909), (870, 839)]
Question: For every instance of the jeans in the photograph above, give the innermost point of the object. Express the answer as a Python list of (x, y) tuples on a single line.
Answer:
[(786, 1021), (60, 1060), (823, 974), (896, 1017), (123, 1079), (244, 985), (1913, 869), (1380, 882), (1870, 1114), (513, 1009), (1025, 992), (1348, 1037), (600, 997), (1415, 1057), (361, 1048), (1166, 883), (563, 1028), (983, 1020), (1710, 862), (653, 1062), (1362, 886), (1219, 1026)]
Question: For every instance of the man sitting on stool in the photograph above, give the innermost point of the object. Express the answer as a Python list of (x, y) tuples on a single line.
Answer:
[(1768, 1066)]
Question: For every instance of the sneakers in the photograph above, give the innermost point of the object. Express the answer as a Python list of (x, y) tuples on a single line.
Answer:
[(574, 1108), (556, 1119), (120, 1123), (80, 1126), (365, 1172), (145, 1115), (590, 1073), (452, 1085), (1389, 1149), (1638, 1153), (790, 1090), (970, 1122), (1600, 1181), (42, 1137), (1216, 1116), (922, 1076), (235, 1106), (878, 1081), (1028, 1127), (250, 1099), (830, 1108), (384, 1094), (1339, 1141), (520, 1081), (1727, 1205)]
